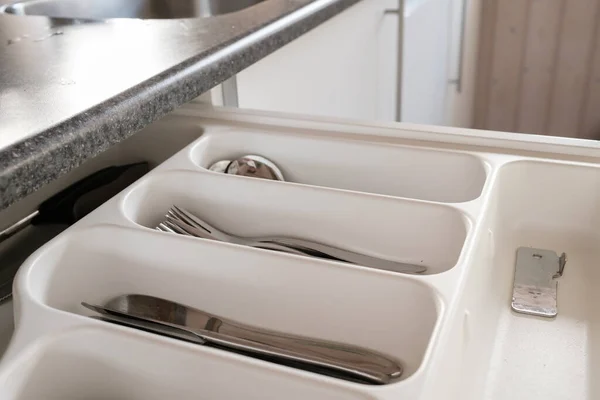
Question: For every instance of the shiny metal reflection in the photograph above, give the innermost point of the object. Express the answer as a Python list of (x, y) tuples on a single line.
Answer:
[(179, 220), (177, 320), (142, 9)]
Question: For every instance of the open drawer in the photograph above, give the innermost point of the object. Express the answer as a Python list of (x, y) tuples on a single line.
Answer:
[(458, 203)]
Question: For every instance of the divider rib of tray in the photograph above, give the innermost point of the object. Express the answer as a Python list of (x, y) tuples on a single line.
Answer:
[(467, 316)]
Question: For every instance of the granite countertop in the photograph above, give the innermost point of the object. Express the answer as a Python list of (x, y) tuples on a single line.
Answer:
[(69, 90)]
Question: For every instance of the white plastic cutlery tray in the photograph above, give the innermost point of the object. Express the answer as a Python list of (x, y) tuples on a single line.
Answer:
[(455, 201)]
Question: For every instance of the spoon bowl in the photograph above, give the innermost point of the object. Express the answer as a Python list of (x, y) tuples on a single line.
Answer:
[(249, 165)]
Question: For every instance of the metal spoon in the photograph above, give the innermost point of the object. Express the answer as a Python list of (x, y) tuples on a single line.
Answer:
[(249, 165)]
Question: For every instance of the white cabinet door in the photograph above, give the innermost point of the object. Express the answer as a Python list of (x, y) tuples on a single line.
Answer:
[(466, 16), (346, 67), (425, 61)]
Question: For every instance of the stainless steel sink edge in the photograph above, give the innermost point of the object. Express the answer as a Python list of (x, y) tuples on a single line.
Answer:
[(138, 9)]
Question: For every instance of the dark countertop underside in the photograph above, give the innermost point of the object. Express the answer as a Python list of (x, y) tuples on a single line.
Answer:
[(69, 91)]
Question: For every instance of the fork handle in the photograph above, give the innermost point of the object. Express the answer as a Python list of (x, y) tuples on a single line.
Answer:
[(288, 245), (326, 251), (284, 248)]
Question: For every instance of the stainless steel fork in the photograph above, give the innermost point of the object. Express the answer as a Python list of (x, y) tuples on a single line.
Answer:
[(181, 221)]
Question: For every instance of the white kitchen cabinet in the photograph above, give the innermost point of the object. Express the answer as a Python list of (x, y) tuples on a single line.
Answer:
[(466, 16), (347, 67), (425, 62), (439, 61)]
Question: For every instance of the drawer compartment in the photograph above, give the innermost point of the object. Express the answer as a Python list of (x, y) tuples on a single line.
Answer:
[(389, 313), (114, 363), (393, 170), (394, 229), (549, 206)]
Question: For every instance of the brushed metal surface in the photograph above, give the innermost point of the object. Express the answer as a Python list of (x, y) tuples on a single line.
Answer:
[(143, 9), (358, 364), (535, 284)]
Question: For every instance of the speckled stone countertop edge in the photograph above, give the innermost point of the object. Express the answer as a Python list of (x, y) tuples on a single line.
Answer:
[(28, 165)]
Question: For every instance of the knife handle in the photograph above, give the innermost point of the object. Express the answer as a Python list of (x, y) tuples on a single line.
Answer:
[(345, 360), (320, 356)]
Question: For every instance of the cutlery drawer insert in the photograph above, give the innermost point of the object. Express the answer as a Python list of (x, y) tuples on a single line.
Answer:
[(460, 205)]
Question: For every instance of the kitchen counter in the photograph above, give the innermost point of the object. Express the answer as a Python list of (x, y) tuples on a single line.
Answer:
[(71, 89)]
